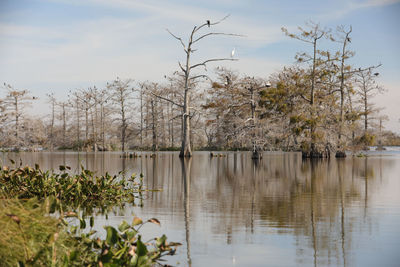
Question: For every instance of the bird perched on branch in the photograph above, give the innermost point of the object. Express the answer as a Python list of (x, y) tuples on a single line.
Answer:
[(208, 23)]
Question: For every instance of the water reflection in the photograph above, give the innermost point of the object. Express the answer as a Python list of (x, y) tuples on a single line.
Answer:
[(227, 210)]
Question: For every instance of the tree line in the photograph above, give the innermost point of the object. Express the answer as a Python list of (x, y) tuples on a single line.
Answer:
[(320, 104)]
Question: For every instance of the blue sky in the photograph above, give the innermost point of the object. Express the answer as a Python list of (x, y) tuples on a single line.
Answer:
[(59, 45)]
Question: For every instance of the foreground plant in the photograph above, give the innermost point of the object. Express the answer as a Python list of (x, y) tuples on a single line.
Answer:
[(30, 237), (123, 246)]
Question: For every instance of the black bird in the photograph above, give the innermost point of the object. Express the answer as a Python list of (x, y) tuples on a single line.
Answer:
[(228, 80), (208, 23), (376, 73), (348, 39)]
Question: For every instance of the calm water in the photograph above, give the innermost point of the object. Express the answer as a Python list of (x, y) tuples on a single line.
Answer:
[(283, 211)]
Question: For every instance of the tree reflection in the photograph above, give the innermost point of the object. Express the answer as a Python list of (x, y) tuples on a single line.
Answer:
[(186, 164)]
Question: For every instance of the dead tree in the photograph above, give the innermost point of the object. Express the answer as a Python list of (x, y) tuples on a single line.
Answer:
[(189, 78)]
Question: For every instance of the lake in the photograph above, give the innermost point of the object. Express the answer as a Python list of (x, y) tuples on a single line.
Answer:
[(280, 211)]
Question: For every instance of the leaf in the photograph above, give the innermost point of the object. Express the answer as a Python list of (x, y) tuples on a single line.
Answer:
[(141, 249), (73, 255), (174, 244), (123, 226), (82, 223), (112, 235), (130, 235), (161, 241), (155, 221), (136, 221)]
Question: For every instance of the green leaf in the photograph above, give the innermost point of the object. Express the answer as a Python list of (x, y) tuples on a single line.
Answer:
[(144, 261), (161, 240), (82, 223), (141, 249), (73, 255), (112, 235), (130, 235), (123, 226), (134, 260)]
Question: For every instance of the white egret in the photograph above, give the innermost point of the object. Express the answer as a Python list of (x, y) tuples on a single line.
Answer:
[(233, 52)]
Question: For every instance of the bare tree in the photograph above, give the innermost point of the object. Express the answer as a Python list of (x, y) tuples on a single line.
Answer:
[(189, 78), (122, 94), (16, 101), (53, 101), (367, 88)]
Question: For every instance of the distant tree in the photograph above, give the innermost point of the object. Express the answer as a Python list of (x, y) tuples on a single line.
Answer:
[(15, 102), (367, 87), (121, 92), (53, 102)]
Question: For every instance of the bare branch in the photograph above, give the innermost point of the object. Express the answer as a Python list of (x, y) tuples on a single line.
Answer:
[(178, 38), (211, 23), (217, 33), (167, 99), (302, 96), (212, 60), (361, 70), (200, 76), (180, 65)]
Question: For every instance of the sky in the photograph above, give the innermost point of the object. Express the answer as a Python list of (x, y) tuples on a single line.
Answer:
[(61, 45)]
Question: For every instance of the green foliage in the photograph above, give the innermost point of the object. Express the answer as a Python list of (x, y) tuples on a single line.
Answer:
[(84, 189), (123, 246)]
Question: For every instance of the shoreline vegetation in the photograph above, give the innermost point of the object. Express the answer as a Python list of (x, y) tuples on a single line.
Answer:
[(47, 219)]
